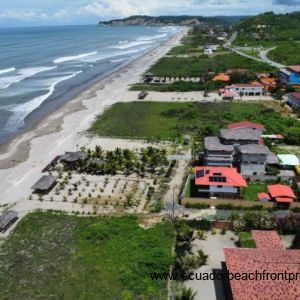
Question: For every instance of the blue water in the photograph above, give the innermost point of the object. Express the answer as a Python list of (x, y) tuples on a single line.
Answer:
[(40, 66)]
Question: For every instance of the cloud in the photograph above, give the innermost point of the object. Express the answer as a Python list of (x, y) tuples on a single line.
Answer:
[(91, 11), (24, 14)]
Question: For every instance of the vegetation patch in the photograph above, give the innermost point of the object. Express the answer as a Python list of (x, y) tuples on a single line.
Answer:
[(170, 120), (67, 257), (246, 240), (199, 67), (287, 53)]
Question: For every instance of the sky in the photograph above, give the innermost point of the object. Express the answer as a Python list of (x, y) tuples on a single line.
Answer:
[(59, 12)]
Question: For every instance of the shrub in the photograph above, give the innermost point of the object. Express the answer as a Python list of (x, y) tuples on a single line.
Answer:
[(197, 205)]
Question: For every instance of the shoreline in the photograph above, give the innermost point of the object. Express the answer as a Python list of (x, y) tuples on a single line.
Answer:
[(10, 154), (22, 160)]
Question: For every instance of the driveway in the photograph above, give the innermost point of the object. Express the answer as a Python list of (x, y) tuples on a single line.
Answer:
[(213, 247)]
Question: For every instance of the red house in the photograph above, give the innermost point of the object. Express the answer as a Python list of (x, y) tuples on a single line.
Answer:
[(218, 182), (267, 264), (283, 195)]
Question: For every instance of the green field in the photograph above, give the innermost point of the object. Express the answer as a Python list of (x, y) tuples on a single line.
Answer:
[(190, 66), (169, 120), (54, 256)]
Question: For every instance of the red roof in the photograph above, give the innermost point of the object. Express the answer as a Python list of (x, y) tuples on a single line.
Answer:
[(284, 200), (267, 239), (243, 124), (268, 257), (280, 190), (262, 196), (223, 176), (295, 68)]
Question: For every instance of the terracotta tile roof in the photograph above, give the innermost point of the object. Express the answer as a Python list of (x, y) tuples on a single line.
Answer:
[(272, 261), (261, 196), (280, 190), (295, 68), (246, 124), (222, 176), (284, 200), (221, 77), (266, 239)]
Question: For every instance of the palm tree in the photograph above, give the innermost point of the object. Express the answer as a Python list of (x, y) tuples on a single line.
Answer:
[(98, 152)]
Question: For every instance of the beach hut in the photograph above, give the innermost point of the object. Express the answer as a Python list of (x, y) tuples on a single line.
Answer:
[(7, 219), (45, 184)]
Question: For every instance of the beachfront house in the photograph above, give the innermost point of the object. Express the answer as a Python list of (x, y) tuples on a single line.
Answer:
[(253, 159), (268, 256), (245, 89), (73, 159), (221, 182), (294, 101), (240, 145), (290, 75), (217, 154), (242, 136)]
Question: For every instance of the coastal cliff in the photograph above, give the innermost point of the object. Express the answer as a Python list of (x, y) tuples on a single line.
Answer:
[(166, 21)]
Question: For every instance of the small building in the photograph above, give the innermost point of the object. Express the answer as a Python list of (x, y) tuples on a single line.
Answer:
[(253, 159), (73, 159), (45, 184), (221, 77), (288, 161), (247, 89), (7, 219), (283, 195), (208, 51), (263, 197), (218, 182), (294, 101), (290, 75), (269, 257), (217, 154), (275, 138)]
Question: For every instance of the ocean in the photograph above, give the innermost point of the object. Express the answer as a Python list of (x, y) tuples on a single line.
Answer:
[(42, 67)]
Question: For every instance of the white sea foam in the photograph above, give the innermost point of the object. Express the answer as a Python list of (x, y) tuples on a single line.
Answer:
[(3, 71), (75, 57), (132, 44), (153, 37), (117, 60), (22, 74), (20, 111)]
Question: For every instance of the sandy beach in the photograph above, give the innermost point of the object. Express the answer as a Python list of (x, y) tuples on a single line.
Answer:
[(22, 160)]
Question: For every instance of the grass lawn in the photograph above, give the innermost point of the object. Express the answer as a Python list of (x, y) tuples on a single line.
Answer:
[(246, 240), (250, 192), (189, 66), (54, 256), (168, 120)]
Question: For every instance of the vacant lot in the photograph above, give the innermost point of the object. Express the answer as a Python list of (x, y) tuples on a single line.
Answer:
[(165, 120), (54, 256), (197, 67), (287, 54)]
